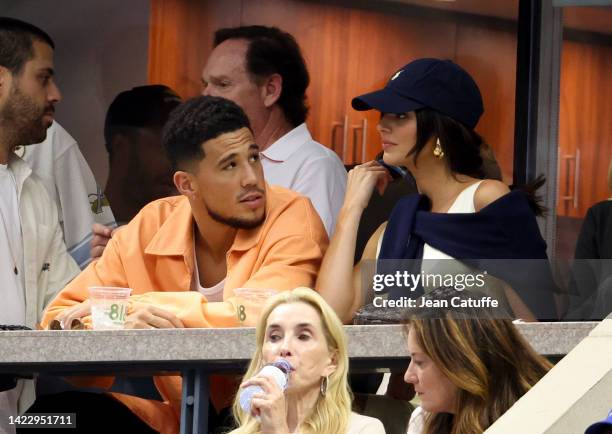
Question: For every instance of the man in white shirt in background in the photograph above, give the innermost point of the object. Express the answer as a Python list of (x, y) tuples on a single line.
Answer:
[(34, 263), (262, 70), (59, 163)]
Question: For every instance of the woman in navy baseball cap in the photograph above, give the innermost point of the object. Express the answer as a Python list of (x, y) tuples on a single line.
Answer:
[(429, 109), (428, 112)]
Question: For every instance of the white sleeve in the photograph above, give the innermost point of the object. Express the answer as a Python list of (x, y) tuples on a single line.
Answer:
[(323, 181), (417, 421), (373, 427), (359, 424), (81, 200), (57, 266), (62, 269)]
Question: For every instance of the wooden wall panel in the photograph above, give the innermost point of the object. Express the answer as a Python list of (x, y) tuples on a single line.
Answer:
[(489, 56), (591, 19), (351, 50), (585, 123), (348, 51), (507, 9), (322, 32), (381, 43), (181, 37)]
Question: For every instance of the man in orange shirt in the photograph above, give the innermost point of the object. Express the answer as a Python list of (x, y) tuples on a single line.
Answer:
[(185, 256)]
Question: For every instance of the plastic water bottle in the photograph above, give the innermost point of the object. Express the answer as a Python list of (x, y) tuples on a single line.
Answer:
[(278, 370)]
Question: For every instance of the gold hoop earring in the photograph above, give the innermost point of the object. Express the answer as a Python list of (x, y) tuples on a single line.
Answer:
[(437, 151), (324, 384)]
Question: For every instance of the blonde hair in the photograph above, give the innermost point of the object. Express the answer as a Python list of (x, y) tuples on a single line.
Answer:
[(485, 357), (332, 411)]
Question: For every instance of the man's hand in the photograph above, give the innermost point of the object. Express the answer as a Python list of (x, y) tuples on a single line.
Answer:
[(147, 316), (101, 235), (77, 311)]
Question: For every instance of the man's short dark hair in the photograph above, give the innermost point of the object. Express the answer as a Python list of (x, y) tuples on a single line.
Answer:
[(140, 107), (17, 43), (196, 121), (272, 51)]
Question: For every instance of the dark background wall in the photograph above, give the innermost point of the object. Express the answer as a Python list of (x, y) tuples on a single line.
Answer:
[(101, 49)]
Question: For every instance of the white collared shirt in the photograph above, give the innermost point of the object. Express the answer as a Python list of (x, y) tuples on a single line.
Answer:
[(13, 310), (47, 266), (60, 165), (11, 251), (417, 421), (297, 162)]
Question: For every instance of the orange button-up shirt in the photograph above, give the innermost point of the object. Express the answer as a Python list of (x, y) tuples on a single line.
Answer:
[(154, 255)]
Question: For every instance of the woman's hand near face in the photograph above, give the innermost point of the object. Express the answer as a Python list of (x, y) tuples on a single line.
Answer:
[(361, 182), (337, 282), (269, 406)]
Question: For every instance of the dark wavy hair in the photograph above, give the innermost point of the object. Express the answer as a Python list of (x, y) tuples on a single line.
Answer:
[(16, 43), (273, 51), (463, 150), (196, 121), (461, 145)]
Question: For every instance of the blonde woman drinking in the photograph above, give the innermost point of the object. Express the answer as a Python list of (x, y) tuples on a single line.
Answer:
[(299, 327)]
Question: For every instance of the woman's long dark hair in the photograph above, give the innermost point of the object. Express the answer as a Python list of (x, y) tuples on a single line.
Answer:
[(462, 148), (460, 144)]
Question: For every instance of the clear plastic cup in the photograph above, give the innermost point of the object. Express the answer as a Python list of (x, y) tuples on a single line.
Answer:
[(109, 307)]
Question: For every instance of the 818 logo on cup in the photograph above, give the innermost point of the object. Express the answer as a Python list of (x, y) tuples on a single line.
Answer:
[(117, 312)]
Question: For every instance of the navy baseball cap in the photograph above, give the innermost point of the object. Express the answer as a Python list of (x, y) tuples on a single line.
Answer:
[(600, 427), (441, 85)]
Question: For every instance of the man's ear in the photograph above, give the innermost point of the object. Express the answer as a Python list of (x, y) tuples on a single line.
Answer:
[(272, 89), (185, 183), (5, 80)]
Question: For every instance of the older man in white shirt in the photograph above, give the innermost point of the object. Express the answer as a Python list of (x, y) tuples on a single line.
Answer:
[(262, 70), (303, 165)]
